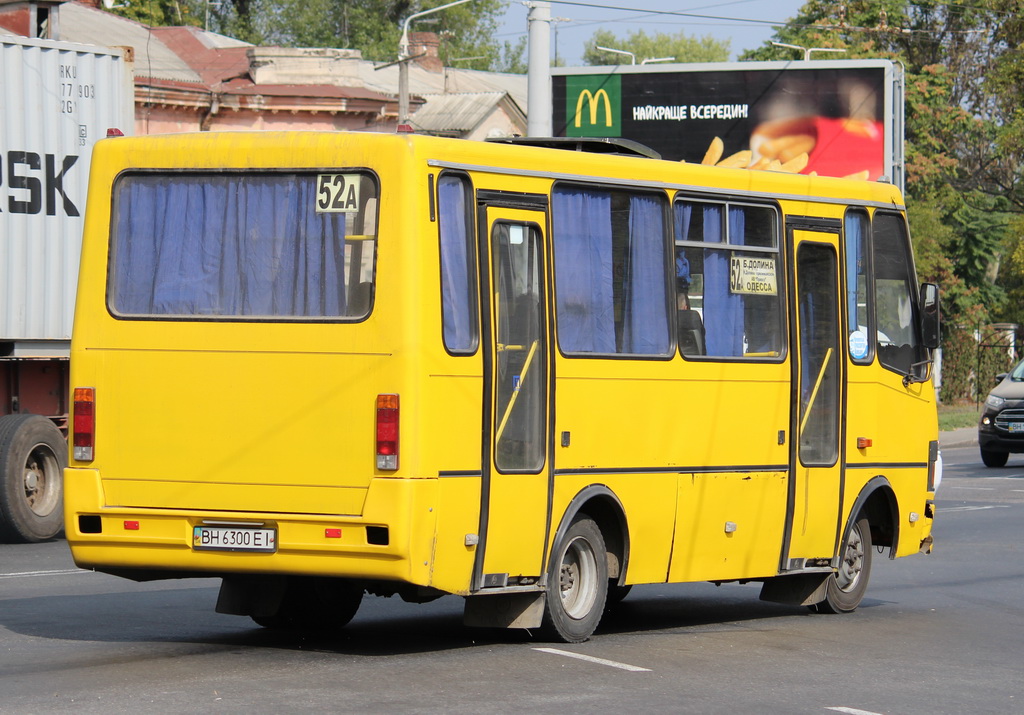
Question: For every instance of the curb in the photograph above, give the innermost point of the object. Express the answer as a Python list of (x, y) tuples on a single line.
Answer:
[(958, 443)]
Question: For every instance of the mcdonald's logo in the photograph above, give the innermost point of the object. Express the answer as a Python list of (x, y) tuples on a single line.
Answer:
[(593, 101), (593, 105)]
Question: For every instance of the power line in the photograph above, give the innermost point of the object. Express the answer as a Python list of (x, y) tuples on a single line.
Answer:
[(719, 19), (676, 13)]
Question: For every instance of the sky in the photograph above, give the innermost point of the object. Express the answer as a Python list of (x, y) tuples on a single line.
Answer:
[(744, 23)]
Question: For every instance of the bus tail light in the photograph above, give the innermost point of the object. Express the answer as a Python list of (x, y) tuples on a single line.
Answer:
[(84, 424), (387, 432)]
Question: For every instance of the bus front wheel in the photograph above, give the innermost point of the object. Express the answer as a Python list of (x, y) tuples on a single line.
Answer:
[(846, 587), (577, 583)]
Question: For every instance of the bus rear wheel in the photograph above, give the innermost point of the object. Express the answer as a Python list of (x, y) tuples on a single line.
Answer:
[(846, 587), (314, 604), (577, 583), (33, 454)]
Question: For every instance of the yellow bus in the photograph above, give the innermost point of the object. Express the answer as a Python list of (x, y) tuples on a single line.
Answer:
[(318, 365)]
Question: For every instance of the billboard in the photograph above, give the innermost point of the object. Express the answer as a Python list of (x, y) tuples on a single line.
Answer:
[(833, 118)]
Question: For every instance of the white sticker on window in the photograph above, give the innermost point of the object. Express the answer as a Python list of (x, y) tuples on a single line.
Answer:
[(752, 276), (337, 193), (858, 345)]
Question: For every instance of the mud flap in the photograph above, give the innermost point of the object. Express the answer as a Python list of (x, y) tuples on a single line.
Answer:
[(804, 589), (505, 610)]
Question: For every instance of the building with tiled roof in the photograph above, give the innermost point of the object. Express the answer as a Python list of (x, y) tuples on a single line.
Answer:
[(189, 79)]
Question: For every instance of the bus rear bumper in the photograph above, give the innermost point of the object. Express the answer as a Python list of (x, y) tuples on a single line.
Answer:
[(391, 540)]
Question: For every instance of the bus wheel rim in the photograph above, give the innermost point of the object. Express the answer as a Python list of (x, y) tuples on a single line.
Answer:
[(853, 561), (578, 579)]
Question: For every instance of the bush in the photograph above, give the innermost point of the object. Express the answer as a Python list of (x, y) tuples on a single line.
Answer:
[(971, 358)]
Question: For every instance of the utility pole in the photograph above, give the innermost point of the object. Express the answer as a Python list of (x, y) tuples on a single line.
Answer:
[(538, 84), (404, 59)]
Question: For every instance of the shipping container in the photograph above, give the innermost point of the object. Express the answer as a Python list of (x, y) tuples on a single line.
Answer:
[(58, 99)]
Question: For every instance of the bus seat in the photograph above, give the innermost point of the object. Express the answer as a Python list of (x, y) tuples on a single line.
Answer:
[(691, 332)]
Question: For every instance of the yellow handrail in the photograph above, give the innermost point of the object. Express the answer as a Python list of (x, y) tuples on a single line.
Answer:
[(814, 392), (515, 393)]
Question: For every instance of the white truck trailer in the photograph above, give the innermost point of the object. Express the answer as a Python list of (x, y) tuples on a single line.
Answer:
[(57, 99)]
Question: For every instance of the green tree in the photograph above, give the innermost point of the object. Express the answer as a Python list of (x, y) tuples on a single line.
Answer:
[(371, 26), (680, 47), (1011, 274), (964, 74), (981, 224), (161, 12), (512, 57)]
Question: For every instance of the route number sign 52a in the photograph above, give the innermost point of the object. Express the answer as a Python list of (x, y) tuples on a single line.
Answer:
[(338, 193)]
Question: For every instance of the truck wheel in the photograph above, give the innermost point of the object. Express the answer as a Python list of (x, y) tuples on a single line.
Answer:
[(577, 583), (33, 454)]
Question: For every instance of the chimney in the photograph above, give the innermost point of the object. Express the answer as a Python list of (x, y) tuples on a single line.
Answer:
[(428, 45)]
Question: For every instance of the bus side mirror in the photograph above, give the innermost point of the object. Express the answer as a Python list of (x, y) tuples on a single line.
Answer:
[(930, 315)]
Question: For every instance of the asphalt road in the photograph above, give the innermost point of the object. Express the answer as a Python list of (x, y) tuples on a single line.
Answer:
[(936, 634)]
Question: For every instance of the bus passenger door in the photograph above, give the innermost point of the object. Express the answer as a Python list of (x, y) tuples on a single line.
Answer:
[(815, 487), (517, 399)]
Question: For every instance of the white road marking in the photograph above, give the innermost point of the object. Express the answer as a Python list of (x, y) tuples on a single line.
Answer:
[(29, 574), (853, 711), (592, 659), (973, 508)]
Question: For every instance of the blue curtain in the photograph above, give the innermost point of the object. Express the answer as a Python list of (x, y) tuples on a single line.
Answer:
[(682, 221), (581, 221), (723, 310), (645, 325), (227, 246), (457, 287)]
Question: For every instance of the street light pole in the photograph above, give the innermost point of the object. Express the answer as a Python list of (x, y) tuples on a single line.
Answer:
[(404, 59), (807, 50), (632, 57)]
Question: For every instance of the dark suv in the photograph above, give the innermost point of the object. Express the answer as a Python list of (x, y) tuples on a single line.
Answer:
[(1001, 429)]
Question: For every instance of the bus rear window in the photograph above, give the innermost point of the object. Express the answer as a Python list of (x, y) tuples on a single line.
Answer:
[(250, 246)]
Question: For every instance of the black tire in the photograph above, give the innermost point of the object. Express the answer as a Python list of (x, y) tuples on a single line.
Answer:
[(33, 454), (994, 459), (846, 587), (616, 593), (577, 586), (323, 604)]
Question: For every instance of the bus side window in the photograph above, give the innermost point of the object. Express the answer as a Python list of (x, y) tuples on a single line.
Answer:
[(858, 295), (727, 271), (899, 345), (458, 265), (611, 282)]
